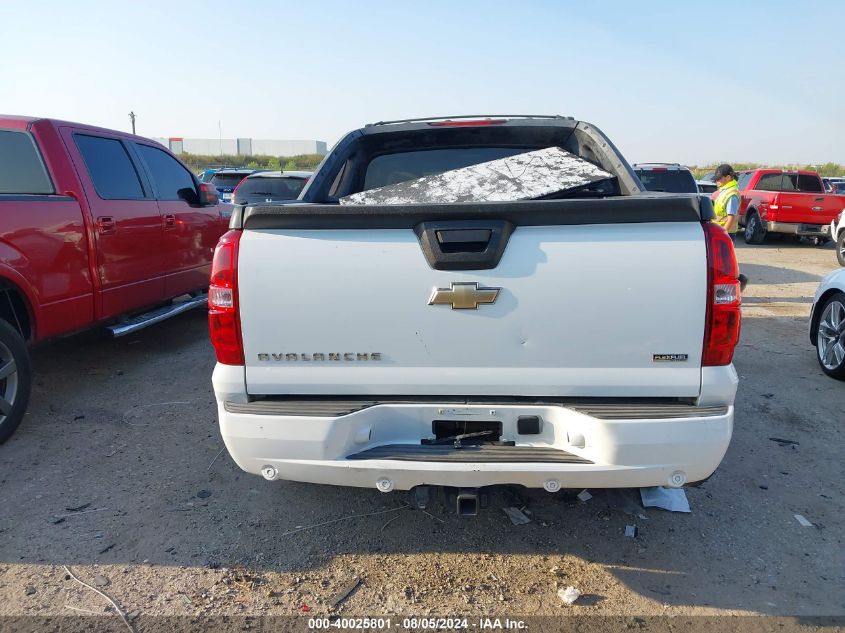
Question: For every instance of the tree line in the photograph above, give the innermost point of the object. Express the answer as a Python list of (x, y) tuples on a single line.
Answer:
[(199, 162), (825, 169)]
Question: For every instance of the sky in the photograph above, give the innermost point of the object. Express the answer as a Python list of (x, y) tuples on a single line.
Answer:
[(696, 83)]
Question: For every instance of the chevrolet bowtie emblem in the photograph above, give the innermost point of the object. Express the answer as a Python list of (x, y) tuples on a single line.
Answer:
[(463, 296)]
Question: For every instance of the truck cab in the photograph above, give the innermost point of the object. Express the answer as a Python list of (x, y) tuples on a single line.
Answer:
[(96, 227)]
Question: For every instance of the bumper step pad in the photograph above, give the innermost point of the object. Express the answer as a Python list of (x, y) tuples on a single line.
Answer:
[(477, 454)]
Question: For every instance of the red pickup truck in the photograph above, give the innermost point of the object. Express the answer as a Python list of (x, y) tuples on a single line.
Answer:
[(787, 202), (96, 227)]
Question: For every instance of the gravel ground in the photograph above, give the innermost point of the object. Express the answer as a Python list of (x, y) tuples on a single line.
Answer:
[(126, 431)]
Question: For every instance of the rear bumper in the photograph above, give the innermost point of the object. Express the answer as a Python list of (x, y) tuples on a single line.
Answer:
[(797, 228), (605, 449)]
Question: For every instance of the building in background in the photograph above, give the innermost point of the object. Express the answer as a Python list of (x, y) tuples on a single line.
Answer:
[(241, 146)]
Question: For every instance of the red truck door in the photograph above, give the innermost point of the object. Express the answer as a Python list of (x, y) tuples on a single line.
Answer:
[(126, 221), (802, 200), (191, 231)]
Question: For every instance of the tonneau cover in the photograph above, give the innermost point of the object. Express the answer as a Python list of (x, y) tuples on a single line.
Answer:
[(653, 207)]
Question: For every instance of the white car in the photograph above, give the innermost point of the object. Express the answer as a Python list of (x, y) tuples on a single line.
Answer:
[(827, 324), (480, 341), (837, 233)]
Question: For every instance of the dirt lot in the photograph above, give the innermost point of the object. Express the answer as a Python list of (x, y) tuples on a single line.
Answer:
[(127, 429)]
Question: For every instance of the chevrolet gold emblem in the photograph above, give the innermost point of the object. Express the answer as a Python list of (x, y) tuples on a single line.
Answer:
[(463, 296)]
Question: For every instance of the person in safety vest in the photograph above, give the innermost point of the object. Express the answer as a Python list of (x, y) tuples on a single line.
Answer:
[(726, 199)]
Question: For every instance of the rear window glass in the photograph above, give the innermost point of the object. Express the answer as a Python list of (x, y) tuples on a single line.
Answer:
[(671, 180), (21, 168), (227, 180), (110, 168), (774, 182), (810, 183), (284, 188), (389, 169)]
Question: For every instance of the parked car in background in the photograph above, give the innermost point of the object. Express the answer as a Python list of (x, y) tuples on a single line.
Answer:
[(837, 188), (207, 174), (710, 176), (669, 177), (837, 232), (827, 324), (270, 186), (97, 227), (706, 186), (785, 202), (226, 179)]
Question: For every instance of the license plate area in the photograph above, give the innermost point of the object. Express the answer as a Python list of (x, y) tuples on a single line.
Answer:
[(466, 433)]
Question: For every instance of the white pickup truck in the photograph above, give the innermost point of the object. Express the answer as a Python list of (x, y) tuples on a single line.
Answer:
[(581, 340)]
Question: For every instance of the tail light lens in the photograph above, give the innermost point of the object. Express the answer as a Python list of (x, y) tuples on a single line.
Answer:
[(721, 330), (224, 324)]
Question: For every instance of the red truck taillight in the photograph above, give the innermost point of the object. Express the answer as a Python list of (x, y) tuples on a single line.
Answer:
[(721, 329), (224, 324)]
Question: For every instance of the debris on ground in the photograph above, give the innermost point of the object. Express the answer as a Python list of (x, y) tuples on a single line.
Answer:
[(803, 520), (204, 494), (524, 176), (107, 548), (30, 590), (568, 595), (305, 608), (344, 593), (784, 442), (631, 531), (516, 515), (104, 595), (584, 495), (672, 499), (100, 580), (78, 508)]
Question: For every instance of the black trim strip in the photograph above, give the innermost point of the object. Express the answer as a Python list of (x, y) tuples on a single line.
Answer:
[(469, 454), (616, 210), (36, 197), (337, 407)]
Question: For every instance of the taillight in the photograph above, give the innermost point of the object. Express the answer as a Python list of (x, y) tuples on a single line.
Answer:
[(721, 329), (224, 325)]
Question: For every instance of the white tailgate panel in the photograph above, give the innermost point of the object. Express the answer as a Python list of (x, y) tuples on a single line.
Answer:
[(581, 312)]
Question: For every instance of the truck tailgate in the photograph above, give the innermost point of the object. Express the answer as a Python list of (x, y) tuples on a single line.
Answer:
[(589, 310)]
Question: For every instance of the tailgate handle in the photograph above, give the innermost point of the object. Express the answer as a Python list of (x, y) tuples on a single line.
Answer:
[(457, 240), (463, 244)]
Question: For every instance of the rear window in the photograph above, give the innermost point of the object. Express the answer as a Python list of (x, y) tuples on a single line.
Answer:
[(110, 167), (21, 167), (286, 187), (810, 183), (742, 181), (774, 182), (227, 180), (389, 169), (671, 180)]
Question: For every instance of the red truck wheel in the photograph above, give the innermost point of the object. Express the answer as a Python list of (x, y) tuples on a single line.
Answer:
[(754, 231), (15, 379)]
